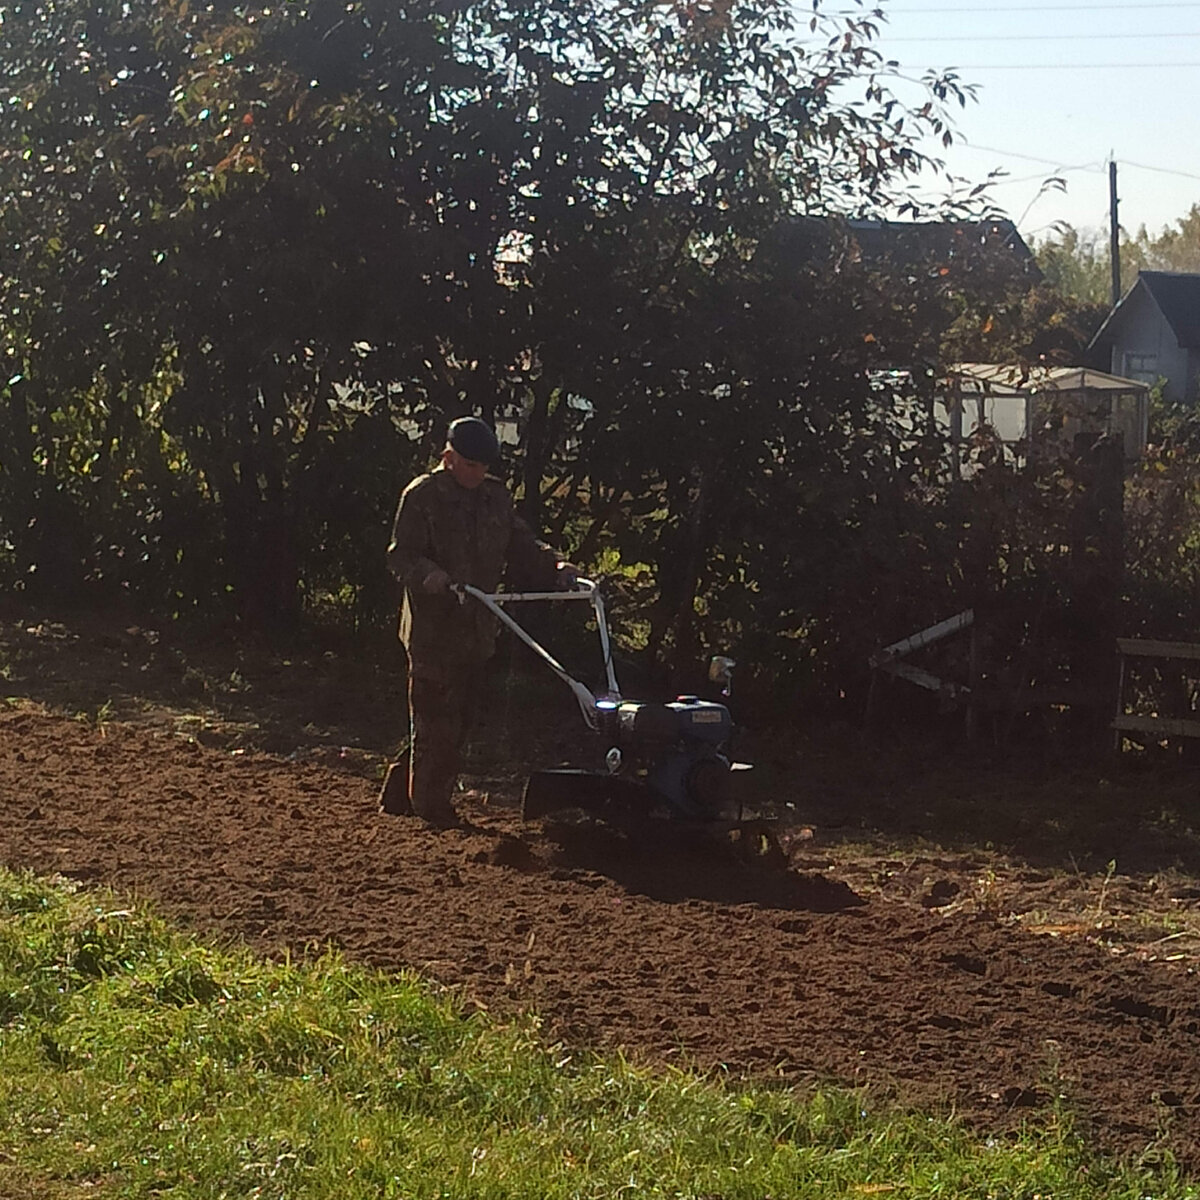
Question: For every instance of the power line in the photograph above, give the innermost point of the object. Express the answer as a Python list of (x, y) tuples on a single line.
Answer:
[(1036, 8), (1160, 170), (1058, 166), (1048, 162), (1038, 37), (1006, 181), (1060, 66)]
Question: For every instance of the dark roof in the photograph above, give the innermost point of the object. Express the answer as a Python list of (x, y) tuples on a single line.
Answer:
[(906, 247), (1177, 294), (910, 239)]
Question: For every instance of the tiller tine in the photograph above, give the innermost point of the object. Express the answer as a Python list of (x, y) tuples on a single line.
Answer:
[(549, 792)]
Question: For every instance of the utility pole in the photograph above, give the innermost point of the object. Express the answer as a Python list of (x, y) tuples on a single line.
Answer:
[(1114, 233)]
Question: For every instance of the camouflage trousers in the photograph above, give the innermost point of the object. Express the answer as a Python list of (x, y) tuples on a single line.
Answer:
[(442, 708)]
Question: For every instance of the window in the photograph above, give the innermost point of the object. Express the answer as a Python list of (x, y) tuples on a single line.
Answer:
[(1142, 367)]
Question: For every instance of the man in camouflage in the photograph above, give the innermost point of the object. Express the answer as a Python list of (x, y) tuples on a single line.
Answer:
[(454, 525)]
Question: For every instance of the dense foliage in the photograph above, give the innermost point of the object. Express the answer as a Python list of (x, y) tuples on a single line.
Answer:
[(257, 257), (1077, 262)]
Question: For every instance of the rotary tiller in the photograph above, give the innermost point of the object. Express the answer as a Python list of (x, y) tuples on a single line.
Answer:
[(672, 758)]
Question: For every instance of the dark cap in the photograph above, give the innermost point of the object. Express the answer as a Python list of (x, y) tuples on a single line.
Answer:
[(474, 439)]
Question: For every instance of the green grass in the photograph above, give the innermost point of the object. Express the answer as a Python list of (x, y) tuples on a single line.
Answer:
[(135, 1061)]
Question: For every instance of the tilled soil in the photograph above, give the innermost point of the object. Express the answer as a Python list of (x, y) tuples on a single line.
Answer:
[(971, 980)]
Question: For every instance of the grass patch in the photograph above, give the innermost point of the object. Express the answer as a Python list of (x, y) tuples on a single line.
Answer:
[(135, 1061)]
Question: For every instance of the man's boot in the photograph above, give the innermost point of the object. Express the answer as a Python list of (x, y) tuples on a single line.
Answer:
[(433, 780), (393, 796)]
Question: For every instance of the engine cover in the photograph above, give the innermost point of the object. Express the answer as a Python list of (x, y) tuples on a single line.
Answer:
[(679, 751), (685, 719), (694, 780)]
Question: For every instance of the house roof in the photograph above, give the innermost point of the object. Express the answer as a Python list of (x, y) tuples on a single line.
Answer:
[(1177, 296), (907, 244), (1000, 379), (911, 239)]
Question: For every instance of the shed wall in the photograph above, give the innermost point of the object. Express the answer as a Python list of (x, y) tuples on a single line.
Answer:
[(1144, 348)]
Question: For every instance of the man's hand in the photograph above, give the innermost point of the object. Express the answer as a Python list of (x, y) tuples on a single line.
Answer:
[(436, 583), (567, 578)]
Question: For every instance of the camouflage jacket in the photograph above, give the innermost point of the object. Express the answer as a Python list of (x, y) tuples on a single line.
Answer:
[(476, 537)]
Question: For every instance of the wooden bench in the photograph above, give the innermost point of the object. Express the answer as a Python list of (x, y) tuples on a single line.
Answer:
[(1124, 722)]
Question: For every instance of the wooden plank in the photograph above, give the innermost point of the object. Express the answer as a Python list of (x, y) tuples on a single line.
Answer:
[(926, 637), (923, 679), (915, 675), (1143, 648), (1166, 726), (1120, 700)]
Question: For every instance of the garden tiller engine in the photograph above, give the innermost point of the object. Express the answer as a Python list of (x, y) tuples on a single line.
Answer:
[(674, 756)]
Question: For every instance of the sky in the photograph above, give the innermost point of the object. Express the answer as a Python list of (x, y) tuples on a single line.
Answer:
[(1064, 88)]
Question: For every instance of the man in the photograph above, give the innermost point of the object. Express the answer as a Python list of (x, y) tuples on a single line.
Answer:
[(454, 525)]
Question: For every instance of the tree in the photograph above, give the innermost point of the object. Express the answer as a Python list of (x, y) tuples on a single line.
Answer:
[(263, 255), (1077, 263), (1174, 248)]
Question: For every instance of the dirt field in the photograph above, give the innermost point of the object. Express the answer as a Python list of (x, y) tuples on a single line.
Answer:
[(950, 933)]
